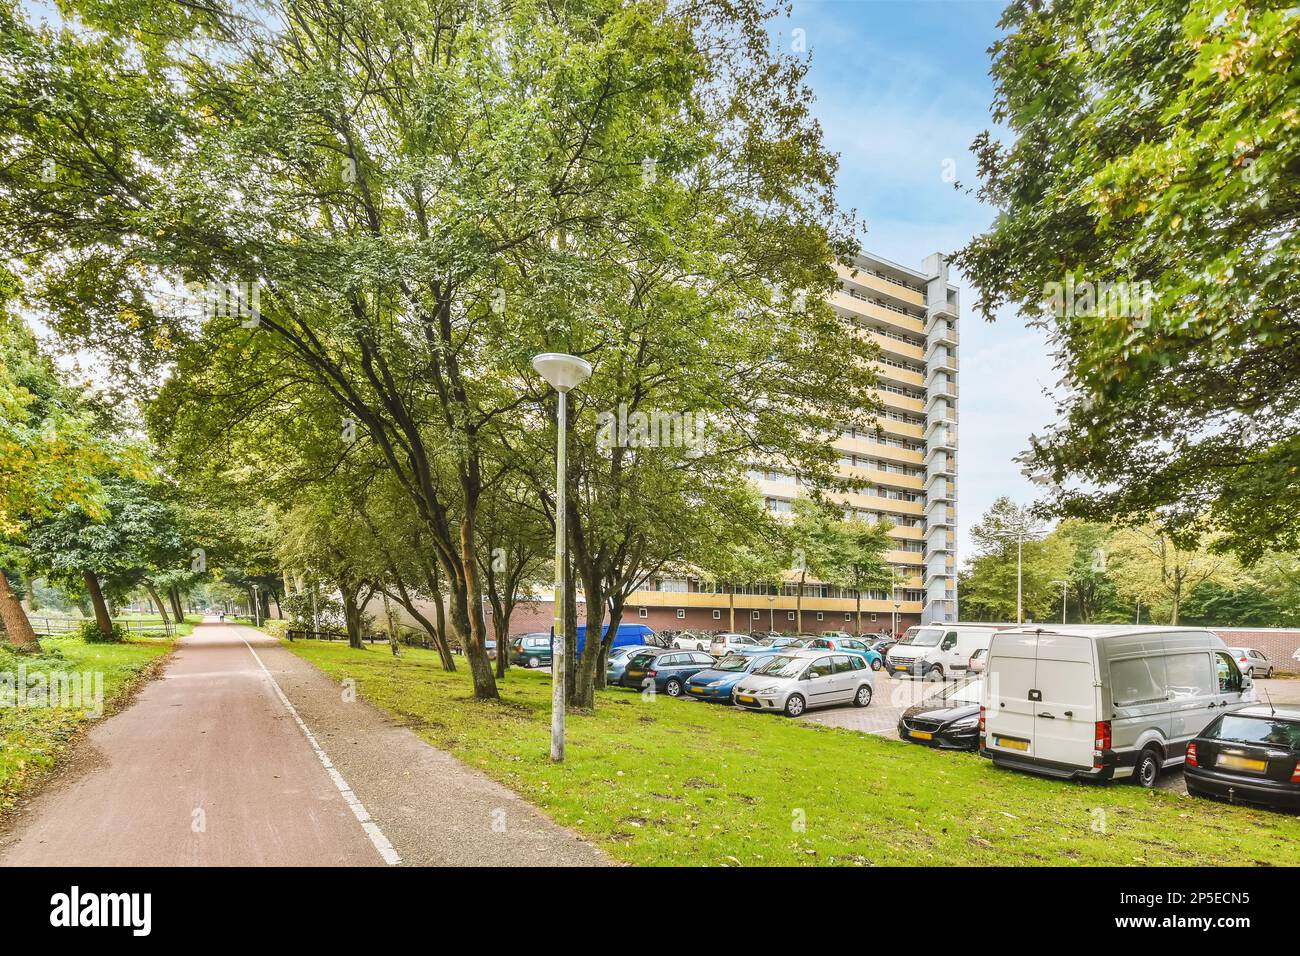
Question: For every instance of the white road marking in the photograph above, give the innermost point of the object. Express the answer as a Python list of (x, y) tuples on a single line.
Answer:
[(376, 835)]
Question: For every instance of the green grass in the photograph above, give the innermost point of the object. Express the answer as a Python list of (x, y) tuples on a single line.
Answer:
[(32, 738), (668, 781)]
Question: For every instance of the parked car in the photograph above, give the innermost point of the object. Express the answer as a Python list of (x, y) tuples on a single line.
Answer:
[(766, 635), (793, 683), (728, 642), (1250, 756), (767, 645), (1105, 701), (667, 670), (949, 720), (627, 635), (937, 651), (978, 660), (835, 634), (717, 682), (531, 650), (1252, 662), (616, 663), (851, 645), (690, 640)]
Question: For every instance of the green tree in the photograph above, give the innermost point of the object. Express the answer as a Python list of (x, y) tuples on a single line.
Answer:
[(1154, 145), (857, 559), (1151, 567)]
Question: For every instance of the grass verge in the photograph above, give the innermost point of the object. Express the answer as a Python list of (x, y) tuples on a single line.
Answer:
[(32, 738), (668, 781)]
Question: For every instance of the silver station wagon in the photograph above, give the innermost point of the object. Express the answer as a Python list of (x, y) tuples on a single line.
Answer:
[(795, 682)]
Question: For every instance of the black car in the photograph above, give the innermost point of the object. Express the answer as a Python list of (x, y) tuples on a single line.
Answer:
[(1249, 756), (949, 720)]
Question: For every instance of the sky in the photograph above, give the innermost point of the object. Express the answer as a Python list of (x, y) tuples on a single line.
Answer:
[(902, 89)]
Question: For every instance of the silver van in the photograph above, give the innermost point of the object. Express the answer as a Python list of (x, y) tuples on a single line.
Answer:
[(1104, 701)]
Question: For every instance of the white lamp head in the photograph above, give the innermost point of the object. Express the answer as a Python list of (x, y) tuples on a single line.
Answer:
[(564, 372)]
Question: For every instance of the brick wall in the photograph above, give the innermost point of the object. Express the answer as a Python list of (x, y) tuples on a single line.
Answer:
[(1280, 644)]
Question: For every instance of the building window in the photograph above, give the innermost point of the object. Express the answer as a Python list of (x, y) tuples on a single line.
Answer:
[(681, 614), (789, 615), (754, 616), (873, 615), (642, 612), (848, 615), (717, 615), (819, 615)]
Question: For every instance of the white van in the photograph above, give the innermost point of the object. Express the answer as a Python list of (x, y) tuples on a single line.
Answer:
[(1104, 701), (936, 651)]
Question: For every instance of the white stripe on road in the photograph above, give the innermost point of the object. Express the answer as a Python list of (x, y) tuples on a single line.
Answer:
[(376, 835)]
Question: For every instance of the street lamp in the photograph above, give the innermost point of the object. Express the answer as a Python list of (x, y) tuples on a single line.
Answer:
[(257, 608), (1023, 528), (1064, 585), (771, 612), (563, 373)]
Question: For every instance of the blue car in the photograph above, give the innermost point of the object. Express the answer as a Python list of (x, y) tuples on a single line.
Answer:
[(768, 645), (618, 658), (716, 682), (848, 645)]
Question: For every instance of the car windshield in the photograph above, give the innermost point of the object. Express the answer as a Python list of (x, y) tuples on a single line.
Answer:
[(963, 692), (1257, 730), (922, 636), (800, 642), (733, 662), (781, 666)]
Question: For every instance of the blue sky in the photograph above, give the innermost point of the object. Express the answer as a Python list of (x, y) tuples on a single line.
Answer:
[(902, 88)]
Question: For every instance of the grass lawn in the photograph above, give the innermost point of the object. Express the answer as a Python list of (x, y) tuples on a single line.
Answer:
[(668, 781), (32, 738)]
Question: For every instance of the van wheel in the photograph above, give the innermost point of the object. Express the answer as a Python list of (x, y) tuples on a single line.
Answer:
[(794, 705), (534, 662), (863, 697), (1147, 769), (673, 688), (876, 665), (935, 672)]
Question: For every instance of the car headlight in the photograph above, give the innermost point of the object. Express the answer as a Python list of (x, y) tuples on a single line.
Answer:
[(716, 683), (767, 690), (967, 722)]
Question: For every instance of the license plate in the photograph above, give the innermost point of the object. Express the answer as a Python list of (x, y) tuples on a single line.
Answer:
[(922, 735), (1011, 743), (1241, 763), (901, 667), (697, 690), (746, 699), (636, 673)]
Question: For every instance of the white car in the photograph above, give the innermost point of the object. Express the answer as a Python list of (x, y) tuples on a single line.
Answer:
[(793, 683), (686, 641), (731, 643), (1252, 661)]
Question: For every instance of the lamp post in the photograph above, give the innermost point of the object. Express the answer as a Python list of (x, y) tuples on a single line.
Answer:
[(1064, 585), (1022, 527), (771, 612), (563, 373), (257, 608)]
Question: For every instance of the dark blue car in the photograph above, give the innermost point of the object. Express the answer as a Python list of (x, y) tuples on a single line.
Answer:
[(716, 682)]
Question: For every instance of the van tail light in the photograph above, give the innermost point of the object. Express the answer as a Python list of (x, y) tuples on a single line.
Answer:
[(1191, 760), (1102, 738), (981, 726), (1295, 773)]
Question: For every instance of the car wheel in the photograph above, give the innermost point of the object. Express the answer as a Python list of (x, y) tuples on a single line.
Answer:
[(876, 665), (794, 705), (673, 688), (534, 662), (1268, 673), (1148, 768), (935, 672), (863, 697)]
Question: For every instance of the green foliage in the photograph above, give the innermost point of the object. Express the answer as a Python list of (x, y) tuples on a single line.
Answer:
[(1156, 143), (90, 632)]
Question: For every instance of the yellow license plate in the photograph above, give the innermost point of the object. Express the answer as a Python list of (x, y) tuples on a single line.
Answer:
[(635, 673), (922, 735), (746, 699), (1241, 763), (1011, 743), (901, 667), (697, 690)]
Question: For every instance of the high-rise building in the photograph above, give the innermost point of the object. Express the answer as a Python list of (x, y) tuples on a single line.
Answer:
[(910, 462)]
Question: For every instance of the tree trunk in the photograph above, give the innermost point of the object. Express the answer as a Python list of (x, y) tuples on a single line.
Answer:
[(571, 630), (798, 603), (858, 626), (352, 618), (158, 601), (30, 603), (103, 619), (501, 630), (615, 619), (176, 604), (437, 631), (393, 643), (732, 623), (485, 683), (17, 626)]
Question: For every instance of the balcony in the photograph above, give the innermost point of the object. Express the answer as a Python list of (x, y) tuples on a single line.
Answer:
[(939, 462)]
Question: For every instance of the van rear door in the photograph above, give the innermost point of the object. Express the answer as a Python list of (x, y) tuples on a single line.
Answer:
[(1065, 720), (1008, 679)]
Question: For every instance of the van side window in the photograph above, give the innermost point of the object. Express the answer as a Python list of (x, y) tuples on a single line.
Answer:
[(949, 641), (1137, 680), (1229, 676), (1190, 675)]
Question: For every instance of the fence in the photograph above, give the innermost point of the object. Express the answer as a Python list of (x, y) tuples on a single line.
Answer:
[(54, 626)]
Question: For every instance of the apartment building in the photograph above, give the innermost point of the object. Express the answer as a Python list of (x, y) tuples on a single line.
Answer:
[(910, 462)]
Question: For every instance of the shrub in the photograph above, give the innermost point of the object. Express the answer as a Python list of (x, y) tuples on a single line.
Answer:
[(90, 633), (277, 627)]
